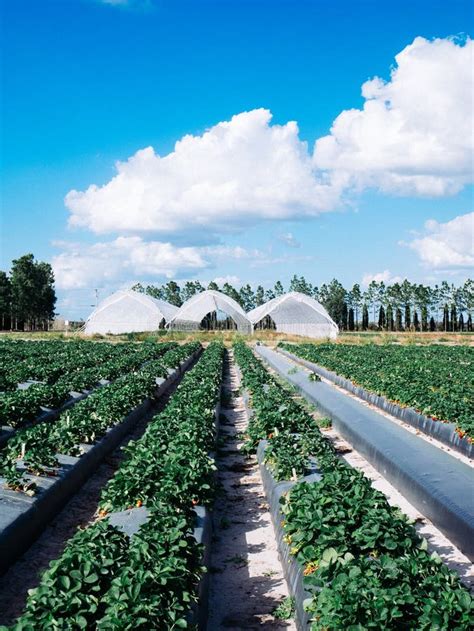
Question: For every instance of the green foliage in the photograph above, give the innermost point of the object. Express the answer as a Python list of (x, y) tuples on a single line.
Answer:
[(435, 380), (364, 564), (105, 581), (286, 609)]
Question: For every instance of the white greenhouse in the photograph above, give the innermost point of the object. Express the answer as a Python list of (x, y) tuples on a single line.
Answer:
[(294, 313), (129, 312), (210, 310)]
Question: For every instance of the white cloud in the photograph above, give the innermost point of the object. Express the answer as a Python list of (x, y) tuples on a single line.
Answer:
[(232, 280), (237, 173), (447, 245), (414, 133), (385, 277), (130, 258), (288, 239), (80, 266)]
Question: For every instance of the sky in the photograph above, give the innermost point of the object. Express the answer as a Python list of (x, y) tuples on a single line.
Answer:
[(240, 140)]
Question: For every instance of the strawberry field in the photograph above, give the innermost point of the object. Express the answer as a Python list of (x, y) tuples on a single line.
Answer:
[(139, 562), (435, 380)]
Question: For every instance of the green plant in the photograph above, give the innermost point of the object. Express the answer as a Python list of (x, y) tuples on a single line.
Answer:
[(286, 609)]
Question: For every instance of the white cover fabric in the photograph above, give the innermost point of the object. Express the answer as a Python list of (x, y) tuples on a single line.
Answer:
[(128, 312), (297, 314), (192, 312)]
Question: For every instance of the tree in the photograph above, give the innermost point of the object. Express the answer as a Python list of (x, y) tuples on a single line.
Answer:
[(382, 320), (389, 318), (5, 299), (230, 291), (454, 317), (432, 324), (278, 289), (32, 292), (407, 318), (424, 318), (190, 289), (469, 322), (213, 286), (259, 296), (269, 295), (172, 293), (344, 316), (446, 318), (365, 318), (247, 298), (351, 323), (355, 300), (335, 303), (461, 323), (398, 320), (416, 321)]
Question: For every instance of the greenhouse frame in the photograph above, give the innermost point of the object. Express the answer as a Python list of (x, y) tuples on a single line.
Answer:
[(296, 314), (192, 313), (128, 311)]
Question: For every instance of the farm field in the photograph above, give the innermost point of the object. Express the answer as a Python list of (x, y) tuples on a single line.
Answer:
[(138, 563), (436, 381)]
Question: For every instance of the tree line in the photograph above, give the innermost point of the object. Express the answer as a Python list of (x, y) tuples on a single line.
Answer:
[(27, 295), (401, 306)]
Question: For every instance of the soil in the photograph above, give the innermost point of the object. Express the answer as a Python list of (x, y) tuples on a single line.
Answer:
[(246, 582)]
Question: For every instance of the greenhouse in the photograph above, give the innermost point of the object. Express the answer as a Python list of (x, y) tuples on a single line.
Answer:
[(294, 313), (210, 310), (129, 312)]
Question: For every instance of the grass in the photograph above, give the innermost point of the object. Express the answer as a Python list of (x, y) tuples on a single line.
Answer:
[(286, 609), (269, 337)]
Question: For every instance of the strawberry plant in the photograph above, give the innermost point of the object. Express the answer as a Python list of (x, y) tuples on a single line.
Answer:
[(364, 564), (434, 380)]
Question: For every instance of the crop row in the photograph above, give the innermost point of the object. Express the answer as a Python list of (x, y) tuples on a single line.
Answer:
[(107, 579), (47, 360), (364, 564), (21, 406), (34, 449), (434, 380)]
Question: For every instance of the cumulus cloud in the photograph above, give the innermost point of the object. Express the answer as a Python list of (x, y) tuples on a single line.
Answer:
[(379, 277), (446, 246), (288, 239), (414, 133), (79, 266), (236, 173)]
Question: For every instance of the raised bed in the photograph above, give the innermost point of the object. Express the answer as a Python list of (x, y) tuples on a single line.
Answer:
[(48, 414), (445, 432), (22, 518), (292, 570), (439, 485)]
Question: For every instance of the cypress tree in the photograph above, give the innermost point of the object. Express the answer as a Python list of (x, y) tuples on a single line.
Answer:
[(416, 321), (461, 323), (381, 317), (446, 318), (454, 318), (365, 318), (344, 316), (432, 324), (351, 322), (469, 322), (424, 318), (398, 320), (389, 318), (407, 317)]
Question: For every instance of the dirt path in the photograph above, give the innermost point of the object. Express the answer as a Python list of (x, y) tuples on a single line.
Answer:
[(246, 583)]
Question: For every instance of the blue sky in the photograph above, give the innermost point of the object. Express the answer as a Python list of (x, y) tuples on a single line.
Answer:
[(88, 82)]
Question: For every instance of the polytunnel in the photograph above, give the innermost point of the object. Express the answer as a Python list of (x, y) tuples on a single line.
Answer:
[(208, 308), (295, 313), (128, 312)]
